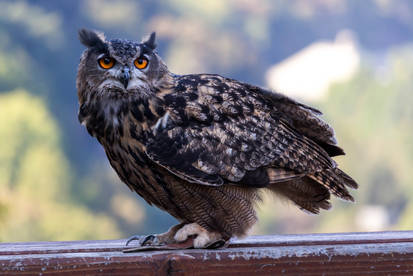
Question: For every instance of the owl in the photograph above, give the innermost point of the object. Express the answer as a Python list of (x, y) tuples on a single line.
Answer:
[(202, 147)]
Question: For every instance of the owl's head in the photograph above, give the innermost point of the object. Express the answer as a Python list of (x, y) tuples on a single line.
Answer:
[(115, 68)]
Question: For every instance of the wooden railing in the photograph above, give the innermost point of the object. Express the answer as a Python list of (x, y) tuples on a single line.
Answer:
[(380, 253)]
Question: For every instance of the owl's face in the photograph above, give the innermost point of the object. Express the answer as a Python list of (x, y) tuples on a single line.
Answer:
[(116, 67)]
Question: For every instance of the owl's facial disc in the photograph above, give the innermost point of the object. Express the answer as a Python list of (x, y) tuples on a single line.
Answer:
[(120, 66)]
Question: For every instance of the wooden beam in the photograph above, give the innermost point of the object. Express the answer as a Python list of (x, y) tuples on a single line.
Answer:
[(379, 253)]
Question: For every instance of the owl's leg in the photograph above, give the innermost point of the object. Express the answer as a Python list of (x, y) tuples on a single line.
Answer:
[(203, 238)]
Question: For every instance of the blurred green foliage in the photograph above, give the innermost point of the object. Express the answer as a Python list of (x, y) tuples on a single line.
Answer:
[(55, 181), (35, 178)]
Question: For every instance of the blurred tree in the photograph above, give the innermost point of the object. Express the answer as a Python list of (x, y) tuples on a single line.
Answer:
[(373, 116), (35, 203)]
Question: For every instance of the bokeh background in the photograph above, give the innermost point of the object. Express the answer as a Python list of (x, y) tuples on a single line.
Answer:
[(352, 59)]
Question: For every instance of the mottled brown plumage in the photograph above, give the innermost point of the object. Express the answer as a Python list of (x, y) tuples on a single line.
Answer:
[(202, 147)]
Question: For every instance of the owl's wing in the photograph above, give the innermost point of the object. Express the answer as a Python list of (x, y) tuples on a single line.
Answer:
[(218, 130), (305, 119)]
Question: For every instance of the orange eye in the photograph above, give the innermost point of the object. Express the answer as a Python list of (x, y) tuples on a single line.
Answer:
[(141, 63), (106, 62)]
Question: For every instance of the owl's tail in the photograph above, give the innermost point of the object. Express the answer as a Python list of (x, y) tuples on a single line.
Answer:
[(305, 192), (336, 181), (312, 192)]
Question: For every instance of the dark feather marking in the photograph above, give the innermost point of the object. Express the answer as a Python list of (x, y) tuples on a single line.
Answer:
[(218, 99), (147, 111), (180, 87), (125, 172), (192, 96), (250, 106), (120, 129), (97, 124), (136, 157), (204, 109), (332, 150), (123, 109), (175, 101), (241, 91), (257, 178), (160, 111), (112, 156), (133, 132), (180, 102), (83, 112), (137, 114), (109, 135)]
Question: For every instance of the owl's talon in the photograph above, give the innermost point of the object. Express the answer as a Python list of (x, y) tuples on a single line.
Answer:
[(217, 244), (149, 240), (133, 238)]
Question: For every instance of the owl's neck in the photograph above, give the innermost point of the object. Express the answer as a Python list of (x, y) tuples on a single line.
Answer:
[(109, 119), (100, 116)]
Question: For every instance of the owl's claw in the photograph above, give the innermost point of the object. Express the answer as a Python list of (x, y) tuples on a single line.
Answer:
[(133, 238), (149, 240), (217, 244)]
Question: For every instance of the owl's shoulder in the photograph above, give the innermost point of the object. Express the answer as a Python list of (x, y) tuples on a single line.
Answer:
[(208, 97), (211, 98), (214, 85)]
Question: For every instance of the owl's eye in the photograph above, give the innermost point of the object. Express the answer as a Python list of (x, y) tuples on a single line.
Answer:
[(141, 63), (106, 62)]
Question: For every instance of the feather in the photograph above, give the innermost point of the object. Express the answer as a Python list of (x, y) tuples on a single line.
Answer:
[(150, 42), (306, 193)]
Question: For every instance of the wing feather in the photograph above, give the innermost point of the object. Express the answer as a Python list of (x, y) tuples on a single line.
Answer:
[(222, 131)]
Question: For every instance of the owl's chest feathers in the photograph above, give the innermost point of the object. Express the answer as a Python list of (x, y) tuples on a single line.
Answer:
[(107, 119), (123, 136), (124, 128)]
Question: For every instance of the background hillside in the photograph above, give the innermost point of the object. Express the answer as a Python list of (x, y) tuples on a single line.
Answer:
[(55, 180)]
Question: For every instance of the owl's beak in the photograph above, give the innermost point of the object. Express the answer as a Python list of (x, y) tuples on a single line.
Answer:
[(125, 76)]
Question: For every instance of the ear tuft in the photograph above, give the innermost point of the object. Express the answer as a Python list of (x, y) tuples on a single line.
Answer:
[(92, 39), (150, 43)]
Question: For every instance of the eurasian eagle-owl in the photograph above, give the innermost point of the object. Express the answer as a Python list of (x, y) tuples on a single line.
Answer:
[(202, 147)]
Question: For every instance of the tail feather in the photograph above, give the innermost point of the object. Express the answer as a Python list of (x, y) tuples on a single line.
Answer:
[(312, 192), (305, 192), (336, 181), (348, 181)]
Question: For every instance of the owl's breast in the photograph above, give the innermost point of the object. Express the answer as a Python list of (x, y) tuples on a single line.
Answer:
[(133, 167)]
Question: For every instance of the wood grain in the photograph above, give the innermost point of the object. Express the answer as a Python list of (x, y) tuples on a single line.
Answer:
[(378, 253)]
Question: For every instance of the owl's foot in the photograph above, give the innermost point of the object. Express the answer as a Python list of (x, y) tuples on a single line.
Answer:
[(157, 240), (203, 238), (181, 236)]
